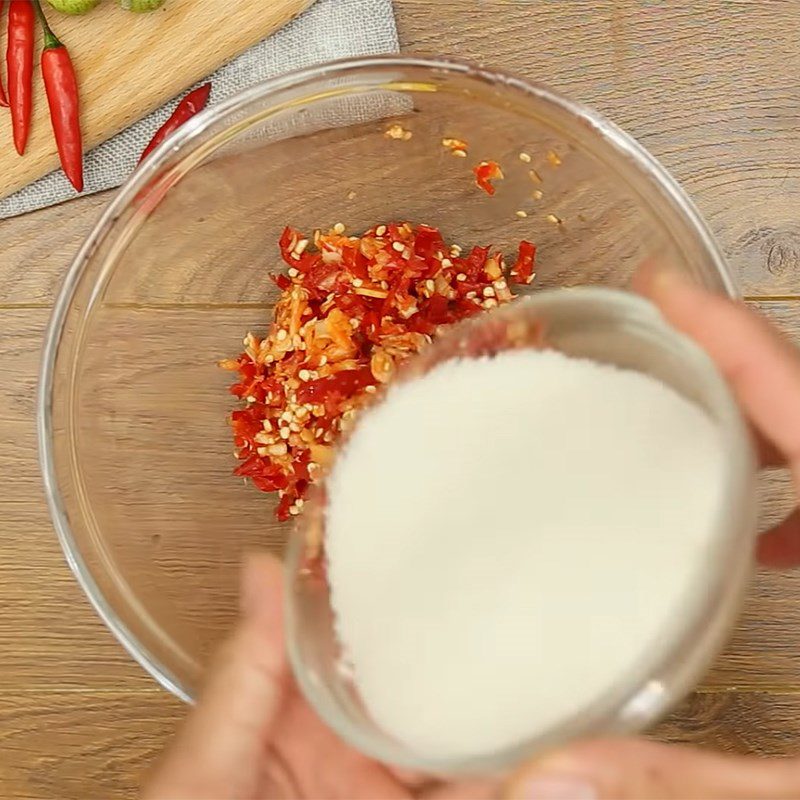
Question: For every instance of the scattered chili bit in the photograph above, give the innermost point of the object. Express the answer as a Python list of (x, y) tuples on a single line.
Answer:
[(61, 87), (553, 158), (554, 219), (525, 158), (190, 106), (457, 147), (351, 310), (485, 173), (397, 131), (523, 271), (521, 213)]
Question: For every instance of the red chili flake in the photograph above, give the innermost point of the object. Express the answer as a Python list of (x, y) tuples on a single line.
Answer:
[(350, 311), (523, 270), (485, 173)]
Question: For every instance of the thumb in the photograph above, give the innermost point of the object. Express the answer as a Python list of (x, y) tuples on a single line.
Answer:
[(632, 769), (222, 744)]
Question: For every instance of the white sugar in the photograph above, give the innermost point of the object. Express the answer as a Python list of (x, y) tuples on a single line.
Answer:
[(508, 537)]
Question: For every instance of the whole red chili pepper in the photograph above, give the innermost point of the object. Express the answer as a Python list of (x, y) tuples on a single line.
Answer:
[(3, 98), (61, 87), (192, 104), (19, 60)]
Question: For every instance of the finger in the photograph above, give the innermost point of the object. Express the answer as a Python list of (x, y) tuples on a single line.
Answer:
[(780, 547), (218, 750), (763, 370), (646, 282), (630, 769), (761, 366), (324, 766)]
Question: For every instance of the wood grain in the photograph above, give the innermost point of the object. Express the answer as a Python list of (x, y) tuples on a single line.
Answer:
[(128, 64), (710, 89), (76, 745), (745, 723), (673, 75)]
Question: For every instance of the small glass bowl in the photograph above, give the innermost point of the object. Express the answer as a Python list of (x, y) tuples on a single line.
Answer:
[(132, 410), (607, 326)]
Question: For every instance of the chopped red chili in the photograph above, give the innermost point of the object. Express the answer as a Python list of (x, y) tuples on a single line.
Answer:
[(485, 173), (351, 310), (523, 270)]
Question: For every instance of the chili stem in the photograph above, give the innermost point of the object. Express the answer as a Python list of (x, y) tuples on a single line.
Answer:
[(50, 39)]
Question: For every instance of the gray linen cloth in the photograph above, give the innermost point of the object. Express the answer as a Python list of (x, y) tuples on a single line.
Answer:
[(329, 29)]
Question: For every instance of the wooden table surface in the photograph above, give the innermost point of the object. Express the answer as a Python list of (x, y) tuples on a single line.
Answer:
[(710, 88)]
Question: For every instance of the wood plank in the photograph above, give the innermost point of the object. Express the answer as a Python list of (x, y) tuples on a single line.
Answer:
[(46, 621), (37, 248), (661, 72), (75, 745), (175, 551), (672, 75), (742, 723)]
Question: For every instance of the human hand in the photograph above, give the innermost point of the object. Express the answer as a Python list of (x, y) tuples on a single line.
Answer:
[(764, 372), (252, 736)]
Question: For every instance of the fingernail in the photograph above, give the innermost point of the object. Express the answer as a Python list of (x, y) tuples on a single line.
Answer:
[(554, 787)]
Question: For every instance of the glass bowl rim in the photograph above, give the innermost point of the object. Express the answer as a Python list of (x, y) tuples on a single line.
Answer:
[(611, 135)]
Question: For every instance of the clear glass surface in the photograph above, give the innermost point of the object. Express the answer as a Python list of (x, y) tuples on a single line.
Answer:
[(611, 327), (135, 447)]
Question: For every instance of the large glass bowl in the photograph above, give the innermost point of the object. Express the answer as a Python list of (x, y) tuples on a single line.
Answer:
[(135, 445)]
